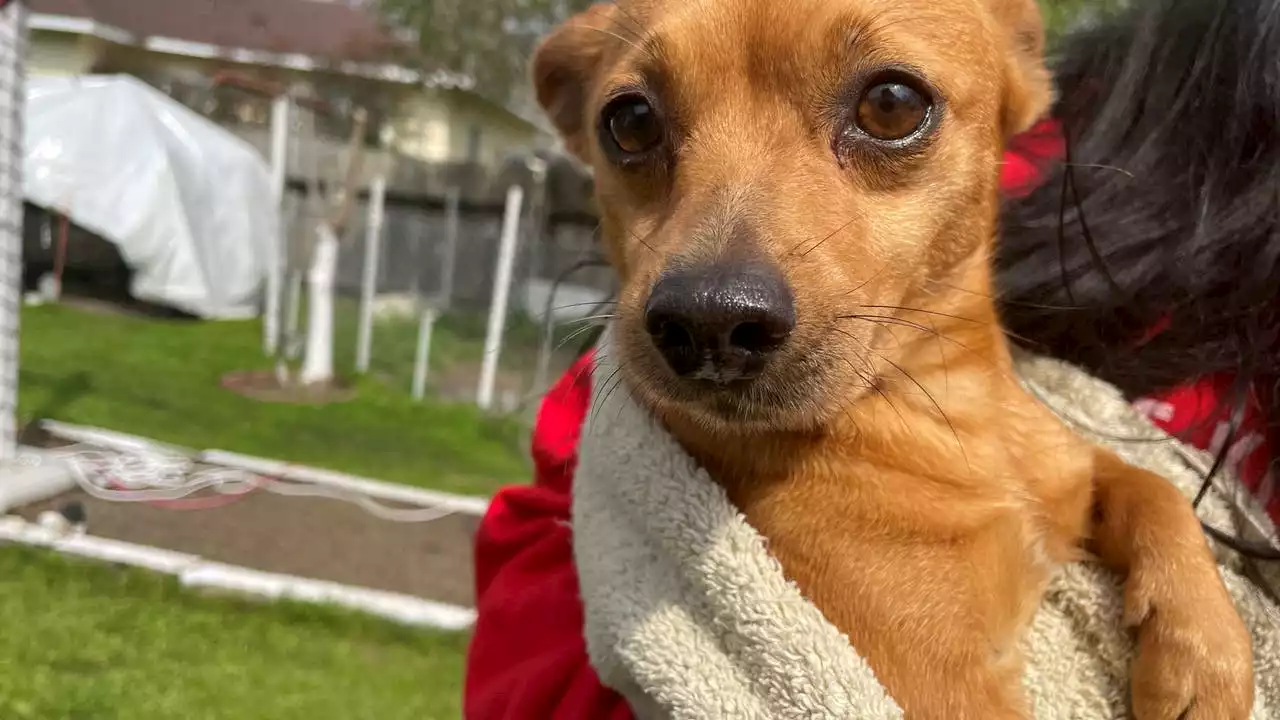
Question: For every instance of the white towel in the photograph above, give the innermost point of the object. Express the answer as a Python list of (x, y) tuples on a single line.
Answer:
[(689, 617)]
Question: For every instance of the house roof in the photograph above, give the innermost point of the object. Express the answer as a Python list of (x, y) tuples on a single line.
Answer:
[(335, 31), (316, 28)]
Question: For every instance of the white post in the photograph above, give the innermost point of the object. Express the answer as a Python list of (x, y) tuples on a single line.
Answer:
[(369, 282), (13, 100), (420, 359), (276, 262), (501, 289), (317, 361), (295, 310)]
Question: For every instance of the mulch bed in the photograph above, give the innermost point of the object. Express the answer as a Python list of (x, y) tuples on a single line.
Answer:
[(264, 386), (316, 538)]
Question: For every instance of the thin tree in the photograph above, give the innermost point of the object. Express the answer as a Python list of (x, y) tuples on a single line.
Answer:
[(332, 211)]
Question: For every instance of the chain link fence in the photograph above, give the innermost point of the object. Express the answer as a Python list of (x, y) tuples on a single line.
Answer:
[(439, 249), (441, 253), (12, 100), (439, 246)]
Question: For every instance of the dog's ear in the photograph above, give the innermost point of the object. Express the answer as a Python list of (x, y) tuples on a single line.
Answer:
[(564, 68), (1029, 85)]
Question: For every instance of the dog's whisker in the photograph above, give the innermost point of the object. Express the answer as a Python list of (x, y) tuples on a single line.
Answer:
[(925, 312), (884, 321), (888, 320), (870, 381), (575, 334), (945, 418), (942, 357), (590, 318), (835, 232), (598, 234), (823, 240), (643, 241), (611, 390), (1012, 303), (1007, 332), (592, 303), (869, 280), (615, 35), (600, 398)]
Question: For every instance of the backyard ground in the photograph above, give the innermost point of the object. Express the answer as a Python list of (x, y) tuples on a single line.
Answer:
[(160, 379), (99, 642)]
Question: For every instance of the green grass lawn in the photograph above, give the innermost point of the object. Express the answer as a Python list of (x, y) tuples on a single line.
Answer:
[(91, 642), (160, 379)]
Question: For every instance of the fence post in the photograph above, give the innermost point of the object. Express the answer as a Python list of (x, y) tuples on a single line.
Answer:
[(291, 308), (275, 264), (501, 291), (426, 323), (540, 241), (452, 209), (369, 283), (13, 99)]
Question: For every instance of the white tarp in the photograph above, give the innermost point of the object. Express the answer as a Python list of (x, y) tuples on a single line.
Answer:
[(188, 204)]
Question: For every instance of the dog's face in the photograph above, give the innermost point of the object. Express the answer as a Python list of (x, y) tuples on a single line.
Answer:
[(767, 169)]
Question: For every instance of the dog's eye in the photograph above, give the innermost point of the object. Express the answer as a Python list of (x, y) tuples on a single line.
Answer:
[(892, 110), (632, 125)]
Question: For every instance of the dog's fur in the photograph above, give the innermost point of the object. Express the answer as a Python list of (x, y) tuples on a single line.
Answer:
[(903, 478)]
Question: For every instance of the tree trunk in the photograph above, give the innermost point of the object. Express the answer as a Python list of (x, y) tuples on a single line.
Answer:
[(317, 361)]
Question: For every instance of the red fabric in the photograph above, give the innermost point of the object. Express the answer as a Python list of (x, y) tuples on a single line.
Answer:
[(1199, 413), (528, 658), (1029, 155)]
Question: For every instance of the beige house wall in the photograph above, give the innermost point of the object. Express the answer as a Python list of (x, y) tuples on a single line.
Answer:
[(435, 126)]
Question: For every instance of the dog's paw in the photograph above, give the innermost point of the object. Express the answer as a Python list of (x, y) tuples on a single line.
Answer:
[(1194, 660)]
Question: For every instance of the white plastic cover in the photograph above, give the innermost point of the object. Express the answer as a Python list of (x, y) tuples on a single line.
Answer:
[(188, 204)]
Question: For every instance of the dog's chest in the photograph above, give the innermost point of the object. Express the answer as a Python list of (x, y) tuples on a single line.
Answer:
[(918, 567)]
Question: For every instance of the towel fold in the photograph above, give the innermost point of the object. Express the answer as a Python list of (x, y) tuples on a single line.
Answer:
[(689, 617)]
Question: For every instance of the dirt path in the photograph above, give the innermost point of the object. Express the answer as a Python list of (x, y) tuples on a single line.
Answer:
[(310, 537)]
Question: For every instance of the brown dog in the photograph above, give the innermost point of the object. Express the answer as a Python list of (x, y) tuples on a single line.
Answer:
[(800, 199)]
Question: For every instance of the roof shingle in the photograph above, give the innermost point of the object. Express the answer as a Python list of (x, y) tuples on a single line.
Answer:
[(329, 30)]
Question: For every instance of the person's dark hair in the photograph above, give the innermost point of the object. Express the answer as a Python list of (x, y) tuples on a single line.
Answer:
[(1166, 211)]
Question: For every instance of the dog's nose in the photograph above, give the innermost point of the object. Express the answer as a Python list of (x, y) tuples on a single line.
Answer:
[(720, 322)]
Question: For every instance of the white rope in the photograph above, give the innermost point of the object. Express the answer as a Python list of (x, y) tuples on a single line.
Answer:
[(151, 476)]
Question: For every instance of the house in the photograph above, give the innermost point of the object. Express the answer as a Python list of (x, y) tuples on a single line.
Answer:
[(432, 134), (324, 47)]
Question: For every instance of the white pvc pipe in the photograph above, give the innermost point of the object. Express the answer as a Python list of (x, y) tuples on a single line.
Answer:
[(42, 478), (275, 259), (350, 483), (369, 282), (501, 290), (196, 572), (466, 504), (110, 439), (420, 358)]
